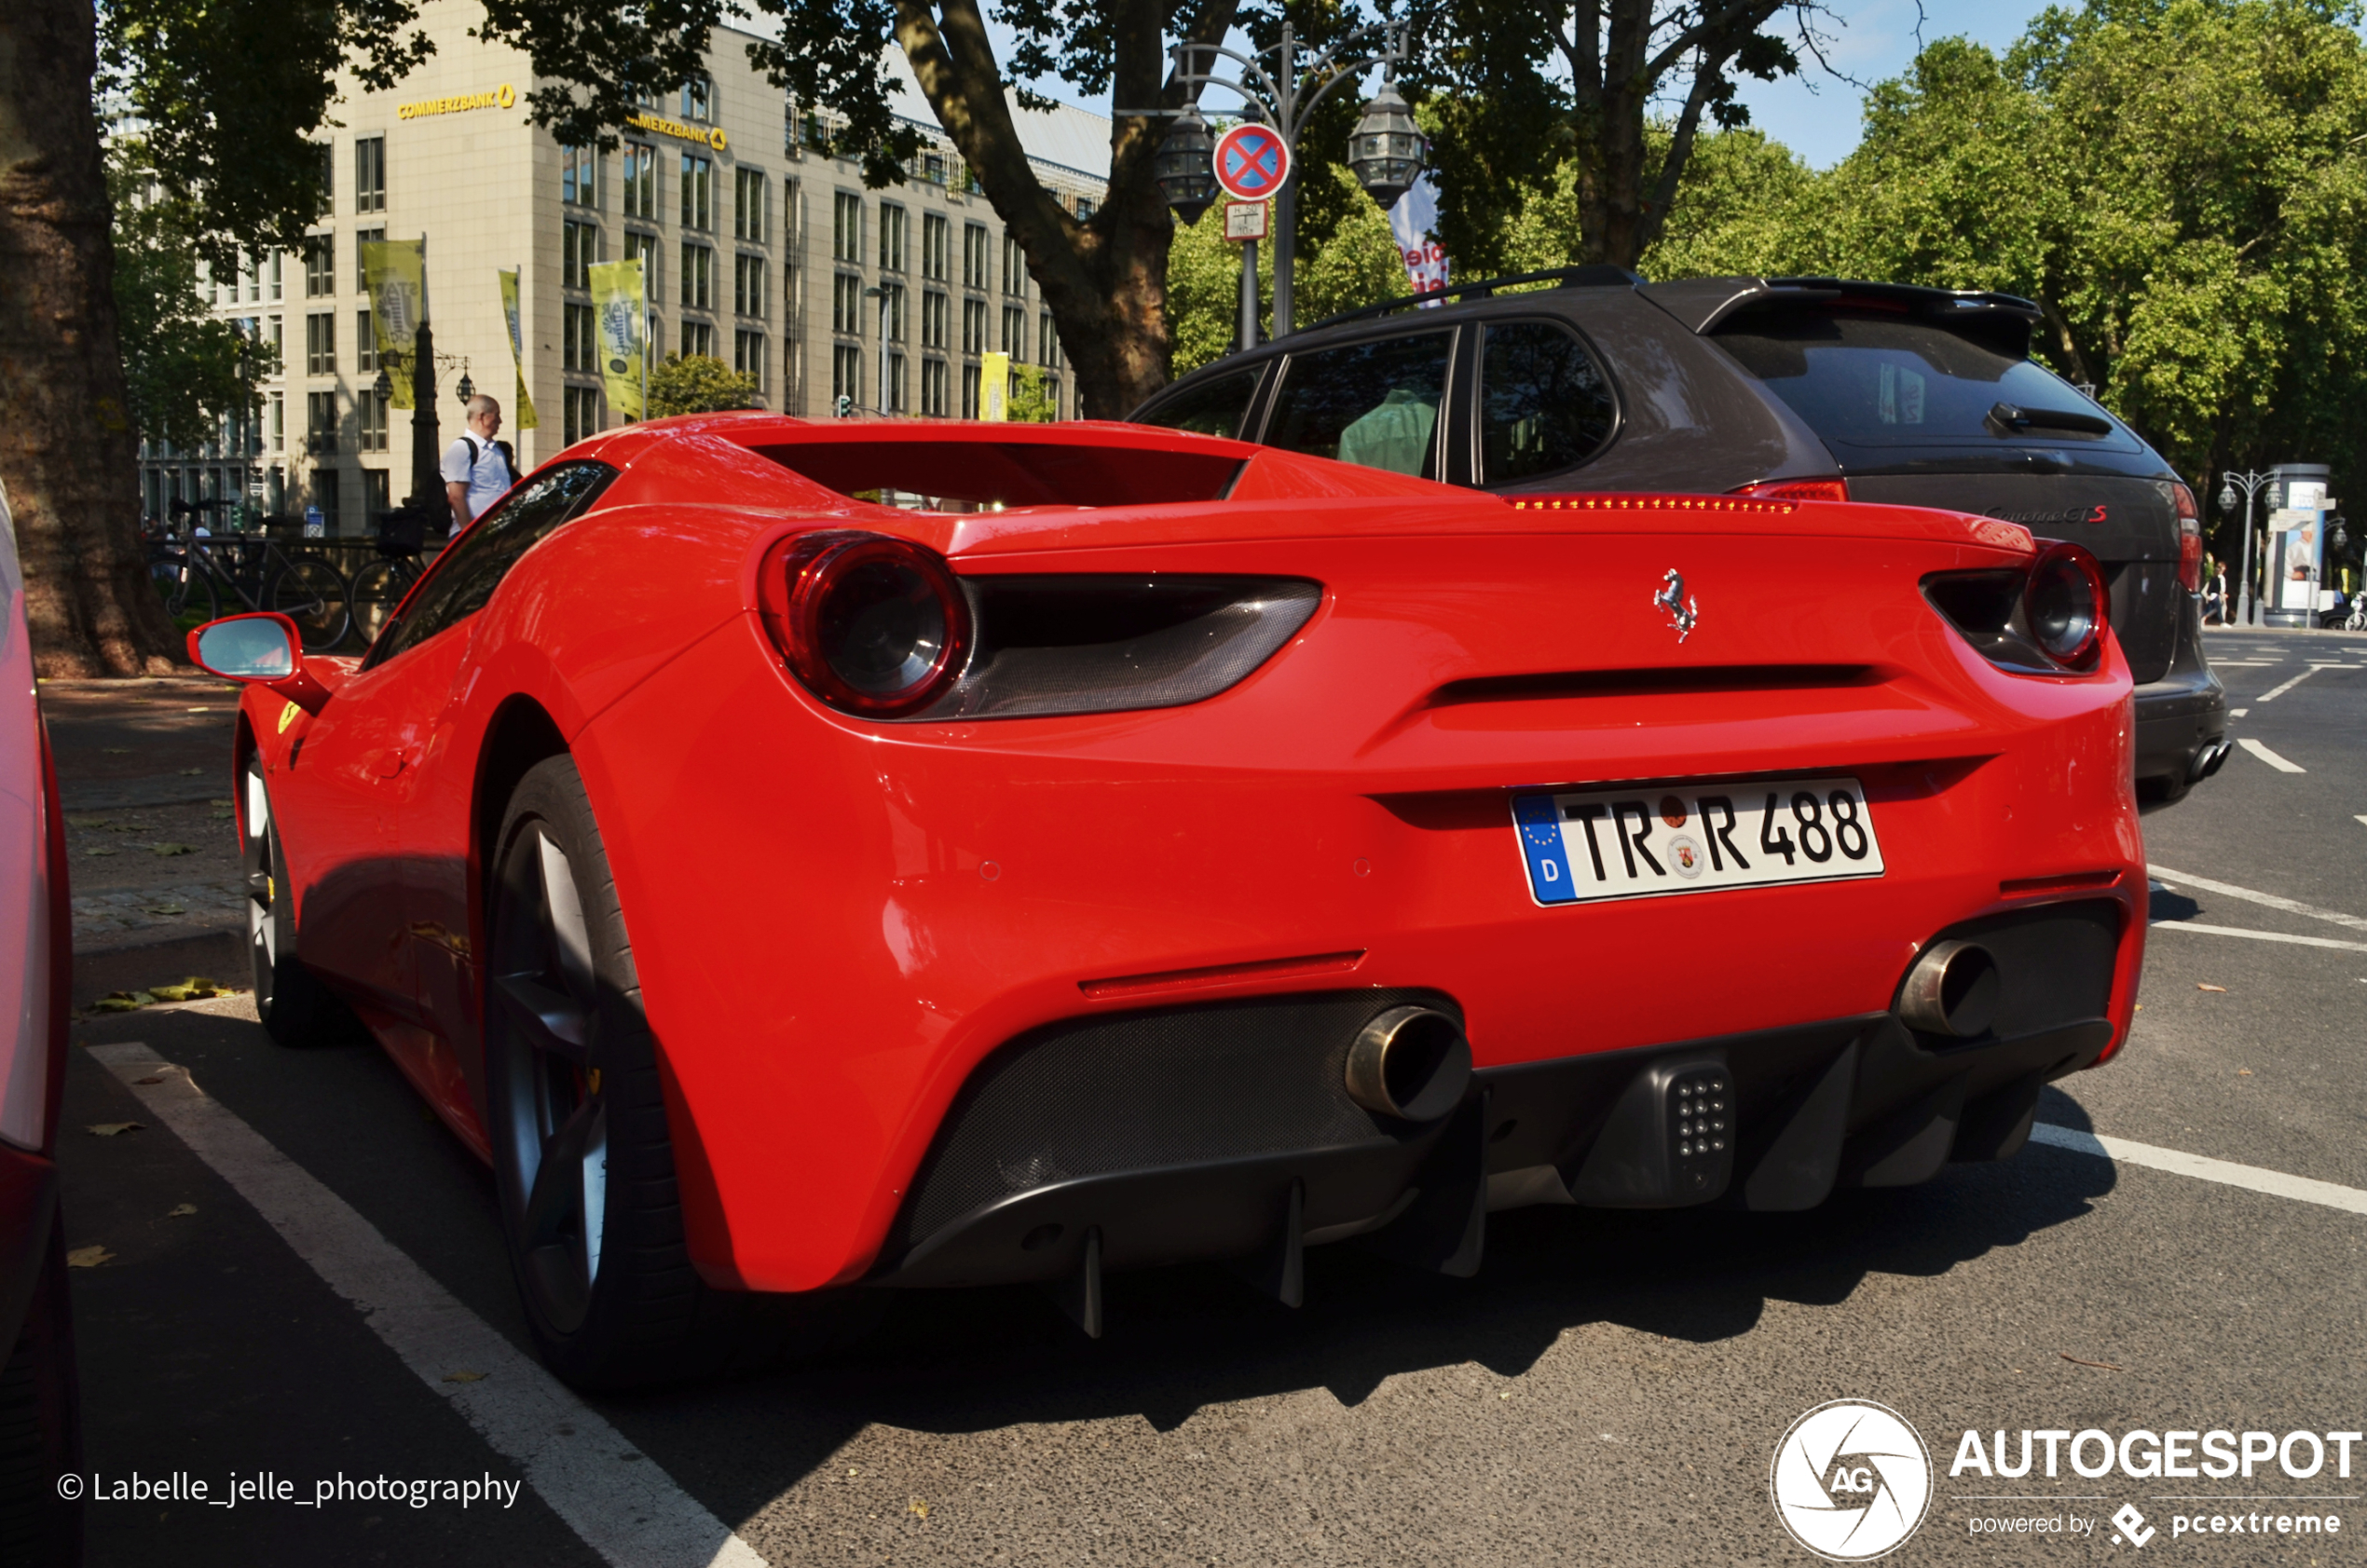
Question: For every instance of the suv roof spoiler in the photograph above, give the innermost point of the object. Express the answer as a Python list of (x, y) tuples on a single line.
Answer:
[(1702, 304), (1591, 275)]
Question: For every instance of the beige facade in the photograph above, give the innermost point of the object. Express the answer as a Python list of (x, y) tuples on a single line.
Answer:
[(760, 248)]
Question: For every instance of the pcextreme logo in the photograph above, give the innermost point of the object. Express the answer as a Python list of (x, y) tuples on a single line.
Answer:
[(1852, 1481)]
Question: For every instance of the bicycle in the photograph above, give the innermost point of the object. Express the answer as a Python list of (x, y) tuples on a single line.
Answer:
[(192, 572), (379, 586)]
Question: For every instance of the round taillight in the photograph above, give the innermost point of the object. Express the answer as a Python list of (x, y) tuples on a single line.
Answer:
[(2065, 605), (872, 624)]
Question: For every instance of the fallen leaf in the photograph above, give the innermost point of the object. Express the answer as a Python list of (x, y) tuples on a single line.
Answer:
[(464, 1377), (2141, 1007), (2243, 1072), (121, 1002), (109, 1129), (89, 822), (87, 1257), (193, 988), (917, 1509), (171, 849), (162, 909), (2201, 987), (95, 850), (180, 1210), (2100, 1365)]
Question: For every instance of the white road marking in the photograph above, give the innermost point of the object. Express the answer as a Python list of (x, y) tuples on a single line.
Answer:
[(2276, 1183), (2271, 695), (2237, 713), (624, 1507), (2291, 906), (2269, 757), (2359, 819), (2240, 663), (2260, 935)]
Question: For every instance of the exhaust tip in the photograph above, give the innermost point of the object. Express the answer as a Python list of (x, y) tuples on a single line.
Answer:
[(1412, 1063), (1951, 990)]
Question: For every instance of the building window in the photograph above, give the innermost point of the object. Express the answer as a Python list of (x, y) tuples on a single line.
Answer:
[(271, 273), (1048, 342), (279, 422), (373, 409), (328, 497), (250, 269), (378, 492), (365, 343), (320, 343), (895, 403), (846, 228), (640, 182), (580, 176), (894, 302), (974, 326), (937, 388), (750, 276), (370, 174), (1052, 394), (846, 303), (1013, 266), (578, 248), (328, 155), (698, 340), (698, 193), (320, 421), (698, 101), (1014, 332), (846, 373), (751, 209), (362, 237), (580, 411), (974, 266), (970, 391), (934, 320), (319, 266), (935, 258), (577, 348), (643, 248), (748, 358), (698, 277), (891, 237)]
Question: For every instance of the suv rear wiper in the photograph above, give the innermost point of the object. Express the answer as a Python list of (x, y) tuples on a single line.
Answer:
[(2009, 418)]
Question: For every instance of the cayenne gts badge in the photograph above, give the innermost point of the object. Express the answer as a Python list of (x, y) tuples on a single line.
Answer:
[(1683, 611)]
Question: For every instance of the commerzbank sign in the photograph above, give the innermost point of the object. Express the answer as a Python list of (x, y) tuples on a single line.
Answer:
[(501, 97), (711, 136)]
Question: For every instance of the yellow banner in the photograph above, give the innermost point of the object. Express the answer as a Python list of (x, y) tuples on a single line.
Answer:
[(522, 418), (994, 386), (619, 310), (394, 272)]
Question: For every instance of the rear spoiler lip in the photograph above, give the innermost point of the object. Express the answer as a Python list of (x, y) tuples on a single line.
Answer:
[(1700, 304)]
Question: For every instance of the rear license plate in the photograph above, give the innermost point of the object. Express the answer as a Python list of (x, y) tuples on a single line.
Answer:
[(1647, 839)]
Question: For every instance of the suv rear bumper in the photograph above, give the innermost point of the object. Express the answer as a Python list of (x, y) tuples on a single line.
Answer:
[(2182, 734)]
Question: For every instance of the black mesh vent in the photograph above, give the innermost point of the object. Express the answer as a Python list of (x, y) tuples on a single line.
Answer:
[(1141, 1090)]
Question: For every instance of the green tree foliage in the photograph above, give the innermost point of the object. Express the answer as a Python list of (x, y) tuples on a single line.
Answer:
[(1030, 402), (698, 384), (1356, 263), (185, 370)]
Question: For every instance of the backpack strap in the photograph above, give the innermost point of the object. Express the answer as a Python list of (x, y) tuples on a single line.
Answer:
[(470, 442)]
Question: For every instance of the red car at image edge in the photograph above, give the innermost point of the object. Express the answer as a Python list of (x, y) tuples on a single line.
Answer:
[(811, 858)]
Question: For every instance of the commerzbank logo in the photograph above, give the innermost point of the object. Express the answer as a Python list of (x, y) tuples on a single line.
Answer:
[(1852, 1481)]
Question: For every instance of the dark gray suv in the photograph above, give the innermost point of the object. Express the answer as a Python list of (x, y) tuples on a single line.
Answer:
[(1797, 386)]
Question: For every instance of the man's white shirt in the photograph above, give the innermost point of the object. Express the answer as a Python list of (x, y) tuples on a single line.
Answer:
[(487, 479)]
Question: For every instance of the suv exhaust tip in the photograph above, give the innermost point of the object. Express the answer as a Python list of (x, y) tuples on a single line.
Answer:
[(1951, 990), (1412, 1063)]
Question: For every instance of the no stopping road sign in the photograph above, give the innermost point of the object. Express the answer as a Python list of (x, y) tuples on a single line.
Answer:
[(1252, 163)]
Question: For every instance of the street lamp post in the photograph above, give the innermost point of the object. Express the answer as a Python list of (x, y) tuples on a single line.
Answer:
[(2249, 481), (879, 292), (1278, 87)]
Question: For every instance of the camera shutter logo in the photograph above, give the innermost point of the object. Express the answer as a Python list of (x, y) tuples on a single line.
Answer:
[(1852, 1481)]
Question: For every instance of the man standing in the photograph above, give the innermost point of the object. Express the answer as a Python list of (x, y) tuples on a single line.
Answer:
[(476, 467)]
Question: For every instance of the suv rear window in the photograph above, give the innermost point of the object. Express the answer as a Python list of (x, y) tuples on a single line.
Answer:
[(1375, 403), (1867, 379), (1214, 407)]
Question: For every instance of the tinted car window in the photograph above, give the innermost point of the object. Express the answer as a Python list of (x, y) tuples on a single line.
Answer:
[(1886, 381), (1544, 404), (472, 565), (1375, 403), (1214, 407)]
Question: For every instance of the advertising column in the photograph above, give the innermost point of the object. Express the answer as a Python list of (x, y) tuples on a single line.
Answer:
[(2296, 543)]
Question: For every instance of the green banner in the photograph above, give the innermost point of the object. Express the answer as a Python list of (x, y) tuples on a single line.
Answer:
[(619, 310), (523, 419), (394, 271)]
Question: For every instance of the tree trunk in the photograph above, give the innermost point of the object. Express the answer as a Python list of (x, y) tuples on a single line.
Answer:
[(68, 453)]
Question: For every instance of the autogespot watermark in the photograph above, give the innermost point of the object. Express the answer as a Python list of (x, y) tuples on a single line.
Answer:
[(1852, 1481), (269, 1487)]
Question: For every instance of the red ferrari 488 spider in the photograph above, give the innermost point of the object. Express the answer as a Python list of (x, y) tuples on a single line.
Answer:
[(805, 856)]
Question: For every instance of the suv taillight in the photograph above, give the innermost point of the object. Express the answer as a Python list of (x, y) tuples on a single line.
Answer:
[(1795, 490), (2190, 537)]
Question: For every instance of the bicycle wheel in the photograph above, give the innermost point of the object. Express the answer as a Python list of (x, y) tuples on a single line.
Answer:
[(185, 589), (313, 595), (377, 589)]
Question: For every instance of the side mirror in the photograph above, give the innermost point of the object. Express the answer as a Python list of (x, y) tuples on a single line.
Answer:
[(261, 650)]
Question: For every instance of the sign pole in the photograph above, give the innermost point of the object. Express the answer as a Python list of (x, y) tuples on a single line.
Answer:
[(1249, 293)]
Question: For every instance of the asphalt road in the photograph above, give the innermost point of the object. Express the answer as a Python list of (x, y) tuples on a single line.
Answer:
[(1611, 1388)]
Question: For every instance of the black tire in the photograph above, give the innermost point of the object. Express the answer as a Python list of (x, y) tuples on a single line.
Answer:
[(186, 591), (312, 593), (41, 1426), (377, 589), (581, 1156), (296, 1009)]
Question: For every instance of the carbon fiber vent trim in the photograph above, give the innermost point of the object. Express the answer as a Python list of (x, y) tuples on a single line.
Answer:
[(1130, 1091)]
